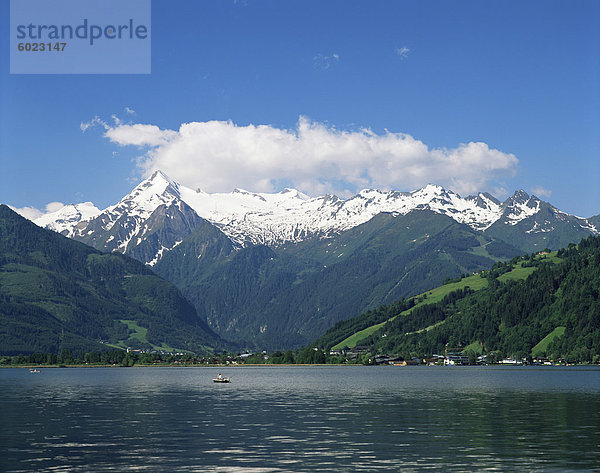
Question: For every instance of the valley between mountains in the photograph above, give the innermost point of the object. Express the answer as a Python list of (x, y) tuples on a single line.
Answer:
[(275, 271)]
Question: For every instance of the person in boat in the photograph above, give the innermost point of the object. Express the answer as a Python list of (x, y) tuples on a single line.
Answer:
[(219, 376)]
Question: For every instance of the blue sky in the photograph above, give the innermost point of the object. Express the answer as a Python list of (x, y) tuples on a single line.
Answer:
[(352, 94)]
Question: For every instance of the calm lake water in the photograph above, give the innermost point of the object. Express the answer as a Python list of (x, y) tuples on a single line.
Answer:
[(300, 419)]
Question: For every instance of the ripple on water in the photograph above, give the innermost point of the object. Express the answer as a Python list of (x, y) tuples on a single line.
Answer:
[(300, 419)]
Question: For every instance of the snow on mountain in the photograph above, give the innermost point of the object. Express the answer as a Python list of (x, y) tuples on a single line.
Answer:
[(144, 199), (222, 208), (520, 206), (65, 220), (477, 211), (271, 219), (148, 221)]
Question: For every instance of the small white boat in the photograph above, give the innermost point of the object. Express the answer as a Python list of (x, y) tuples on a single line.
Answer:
[(33, 370), (220, 380)]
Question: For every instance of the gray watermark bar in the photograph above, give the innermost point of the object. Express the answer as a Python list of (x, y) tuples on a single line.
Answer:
[(80, 37)]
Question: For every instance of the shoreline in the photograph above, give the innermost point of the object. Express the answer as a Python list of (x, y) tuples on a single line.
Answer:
[(285, 365), (173, 365)]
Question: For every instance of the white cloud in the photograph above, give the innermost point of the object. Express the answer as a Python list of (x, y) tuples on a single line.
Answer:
[(315, 158), (84, 126), (541, 192), (54, 206), (130, 111), (139, 135), (320, 61), (403, 52), (500, 192), (31, 213)]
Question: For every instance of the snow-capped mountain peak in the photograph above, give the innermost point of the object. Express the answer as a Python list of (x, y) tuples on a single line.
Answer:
[(154, 189), (143, 200), (65, 219), (272, 218), (289, 215), (520, 206), (519, 196)]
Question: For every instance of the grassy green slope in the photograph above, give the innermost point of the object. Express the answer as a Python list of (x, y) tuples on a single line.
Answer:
[(474, 282), (542, 346), (516, 272)]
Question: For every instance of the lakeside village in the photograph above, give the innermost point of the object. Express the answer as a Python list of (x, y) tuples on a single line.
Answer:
[(359, 355)]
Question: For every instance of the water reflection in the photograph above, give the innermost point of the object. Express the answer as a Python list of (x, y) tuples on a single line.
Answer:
[(300, 419)]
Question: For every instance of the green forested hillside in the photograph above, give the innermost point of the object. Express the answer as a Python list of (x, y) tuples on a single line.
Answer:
[(428, 298), (57, 294), (545, 305), (284, 297)]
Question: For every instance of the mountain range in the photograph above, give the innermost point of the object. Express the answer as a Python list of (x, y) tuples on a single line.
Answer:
[(277, 270), (248, 218)]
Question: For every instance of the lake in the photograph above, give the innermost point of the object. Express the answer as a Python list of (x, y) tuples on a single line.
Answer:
[(300, 419)]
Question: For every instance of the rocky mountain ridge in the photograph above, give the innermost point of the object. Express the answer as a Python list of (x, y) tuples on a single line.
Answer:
[(159, 213)]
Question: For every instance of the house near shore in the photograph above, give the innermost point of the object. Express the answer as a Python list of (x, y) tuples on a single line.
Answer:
[(456, 359)]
